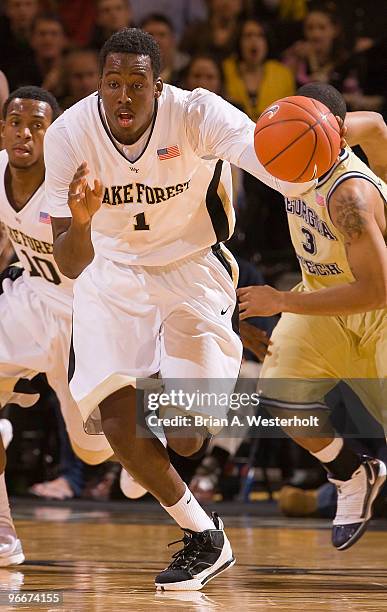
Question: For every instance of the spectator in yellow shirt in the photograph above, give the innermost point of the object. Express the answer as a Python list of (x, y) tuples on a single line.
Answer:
[(252, 81)]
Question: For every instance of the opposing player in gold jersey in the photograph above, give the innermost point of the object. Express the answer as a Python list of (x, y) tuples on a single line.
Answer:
[(334, 324)]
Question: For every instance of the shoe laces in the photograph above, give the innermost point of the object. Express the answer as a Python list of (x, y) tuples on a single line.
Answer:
[(350, 496), (193, 545)]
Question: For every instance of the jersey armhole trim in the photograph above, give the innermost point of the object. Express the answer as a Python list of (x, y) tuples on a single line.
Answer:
[(344, 154), (346, 177)]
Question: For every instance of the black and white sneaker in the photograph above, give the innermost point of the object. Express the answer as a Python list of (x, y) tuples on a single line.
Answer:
[(205, 555), (355, 498)]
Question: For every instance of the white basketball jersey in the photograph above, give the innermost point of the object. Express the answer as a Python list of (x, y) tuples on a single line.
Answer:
[(29, 230), (166, 205)]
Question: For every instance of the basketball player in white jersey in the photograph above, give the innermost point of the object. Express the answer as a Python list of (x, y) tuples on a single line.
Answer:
[(151, 294), (35, 304), (334, 324)]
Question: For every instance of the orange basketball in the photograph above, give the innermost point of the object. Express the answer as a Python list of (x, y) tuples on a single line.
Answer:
[(297, 139)]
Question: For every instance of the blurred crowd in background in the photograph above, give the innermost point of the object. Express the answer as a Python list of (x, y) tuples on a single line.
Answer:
[(251, 52)]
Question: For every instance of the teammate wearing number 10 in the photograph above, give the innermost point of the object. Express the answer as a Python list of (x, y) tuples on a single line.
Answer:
[(35, 299)]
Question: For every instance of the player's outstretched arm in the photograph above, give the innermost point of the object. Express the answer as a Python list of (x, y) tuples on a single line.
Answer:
[(218, 129), (356, 212), (369, 130), (73, 249)]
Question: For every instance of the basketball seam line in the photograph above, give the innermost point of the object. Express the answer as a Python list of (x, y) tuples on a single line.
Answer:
[(311, 114), (302, 107), (310, 159), (331, 146), (277, 122), (311, 127)]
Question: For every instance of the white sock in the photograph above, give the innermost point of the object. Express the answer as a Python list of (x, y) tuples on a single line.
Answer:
[(188, 513), (5, 512), (330, 452)]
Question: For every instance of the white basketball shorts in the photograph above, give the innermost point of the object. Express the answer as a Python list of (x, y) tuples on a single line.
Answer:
[(131, 322), (35, 337)]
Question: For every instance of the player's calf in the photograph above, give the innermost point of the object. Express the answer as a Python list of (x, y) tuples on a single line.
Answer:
[(128, 485)]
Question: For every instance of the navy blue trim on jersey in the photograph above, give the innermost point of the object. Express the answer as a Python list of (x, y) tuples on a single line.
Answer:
[(354, 174), (349, 175), (111, 138), (344, 154), (215, 206)]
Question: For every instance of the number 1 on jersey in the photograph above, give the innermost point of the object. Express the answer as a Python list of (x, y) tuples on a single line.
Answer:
[(141, 223)]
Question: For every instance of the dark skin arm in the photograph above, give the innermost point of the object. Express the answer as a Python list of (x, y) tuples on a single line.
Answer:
[(358, 213), (255, 340), (73, 249), (369, 130)]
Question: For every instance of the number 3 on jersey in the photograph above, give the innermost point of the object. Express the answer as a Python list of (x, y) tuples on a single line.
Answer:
[(310, 243)]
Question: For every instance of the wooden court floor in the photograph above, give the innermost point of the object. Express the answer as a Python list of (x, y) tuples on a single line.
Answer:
[(106, 561)]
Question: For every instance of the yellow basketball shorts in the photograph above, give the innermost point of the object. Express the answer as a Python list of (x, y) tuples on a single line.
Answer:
[(311, 353)]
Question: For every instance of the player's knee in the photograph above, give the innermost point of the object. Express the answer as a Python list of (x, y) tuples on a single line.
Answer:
[(185, 446)]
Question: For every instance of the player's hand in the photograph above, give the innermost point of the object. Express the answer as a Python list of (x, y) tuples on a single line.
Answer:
[(343, 131), (84, 201), (259, 301), (255, 340)]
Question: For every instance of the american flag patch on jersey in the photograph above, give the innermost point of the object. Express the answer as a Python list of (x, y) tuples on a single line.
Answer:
[(44, 218), (168, 152)]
